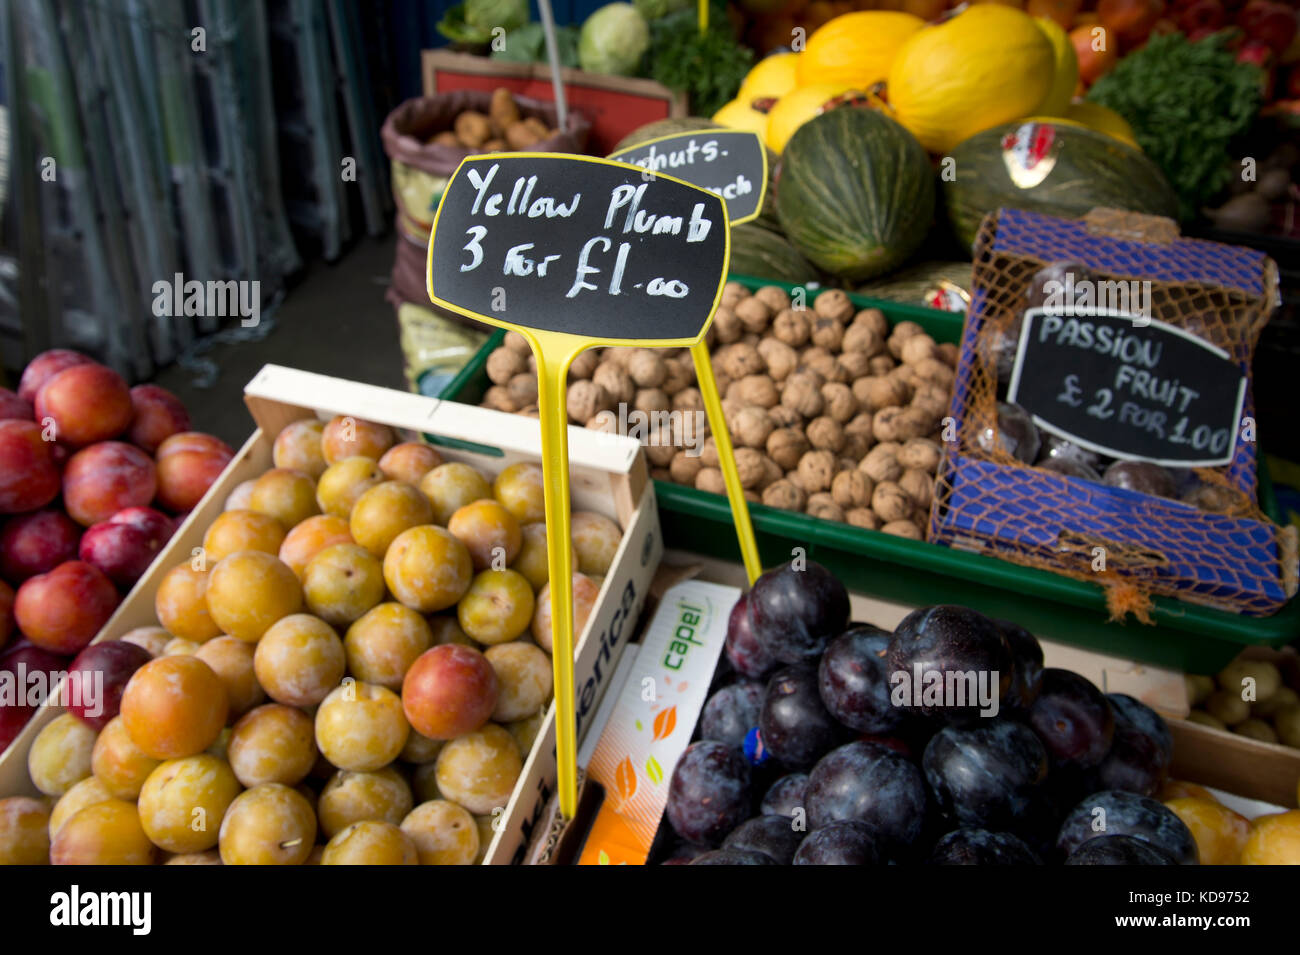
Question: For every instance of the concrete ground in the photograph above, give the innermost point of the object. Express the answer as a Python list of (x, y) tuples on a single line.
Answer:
[(334, 321)]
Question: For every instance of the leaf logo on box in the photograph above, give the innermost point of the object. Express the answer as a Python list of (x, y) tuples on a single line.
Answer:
[(665, 723), (625, 779), (654, 770)]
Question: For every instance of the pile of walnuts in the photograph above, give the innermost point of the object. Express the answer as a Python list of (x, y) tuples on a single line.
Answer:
[(831, 411)]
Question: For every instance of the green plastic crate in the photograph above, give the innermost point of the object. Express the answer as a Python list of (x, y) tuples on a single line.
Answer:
[(1187, 637)]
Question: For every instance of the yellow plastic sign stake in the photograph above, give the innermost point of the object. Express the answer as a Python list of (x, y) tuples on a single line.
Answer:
[(581, 252), (704, 16)]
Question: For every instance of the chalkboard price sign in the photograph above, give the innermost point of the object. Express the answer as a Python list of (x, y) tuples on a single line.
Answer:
[(1129, 387), (731, 163), (580, 246)]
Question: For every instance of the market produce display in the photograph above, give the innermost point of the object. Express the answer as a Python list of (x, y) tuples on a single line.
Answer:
[(830, 742), (1250, 698), (832, 412), (361, 651), (94, 478)]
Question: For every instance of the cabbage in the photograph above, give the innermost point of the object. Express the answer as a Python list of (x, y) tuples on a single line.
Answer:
[(654, 9), (613, 40)]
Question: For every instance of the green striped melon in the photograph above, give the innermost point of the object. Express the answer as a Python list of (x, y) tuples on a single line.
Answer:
[(1061, 169), (764, 254), (855, 194)]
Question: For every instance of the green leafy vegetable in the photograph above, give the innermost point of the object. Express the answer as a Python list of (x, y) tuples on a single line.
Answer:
[(613, 40), (709, 67), (1186, 103), (474, 20), (528, 45)]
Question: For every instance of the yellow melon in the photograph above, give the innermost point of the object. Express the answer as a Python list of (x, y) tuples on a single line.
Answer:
[(771, 77), (988, 65), (739, 114), (856, 48), (1065, 75), (797, 107), (1103, 120)]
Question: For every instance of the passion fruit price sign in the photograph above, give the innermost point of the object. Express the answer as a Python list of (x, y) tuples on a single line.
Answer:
[(574, 252), (731, 163), (1129, 387)]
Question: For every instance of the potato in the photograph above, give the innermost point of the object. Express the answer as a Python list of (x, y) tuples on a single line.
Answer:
[(521, 136), (473, 129), (503, 111)]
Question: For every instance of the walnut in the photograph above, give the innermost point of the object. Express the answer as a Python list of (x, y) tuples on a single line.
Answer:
[(606, 421), (855, 448), (733, 293), (532, 363), (731, 404), (660, 449), (826, 434), (948, 353), (906, 374), (784, 417), (823, 505), (517, 343), (932, 401), (792, 328), (584, 366), (754, 314), (901, 333), (711, 480), (688, 399), (826, 365), (899, 424), (920, 454), (753, 497), (863, 517), (722, 382), (523, 389), (774, 297), (617, 382), (751, 339), (786, 446), (785, 494), (855, 364), (860, 424), (803, 393), (891, 502), (934, 372), (646, 368), (758, 390), (904, 529), (586, 399), (650, 400), (726, 326), (916, 349), (919, 486), (840, 403), (678, 378), (852, 489), (739, 360), (833, 303), (827, 333), (532, 411), (684, 467), (709, 453), (503, 364), (779, 357), (816, 470), (881, 462), (749, 463), (878, 392), (772, 472), (874, 319), (863, 339), (661, 474), (881, 364), (751, 427), (498, 399)]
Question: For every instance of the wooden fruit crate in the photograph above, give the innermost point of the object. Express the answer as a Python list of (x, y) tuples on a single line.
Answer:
[(607, 475)]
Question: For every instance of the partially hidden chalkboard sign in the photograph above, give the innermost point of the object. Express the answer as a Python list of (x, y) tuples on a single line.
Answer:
[(731, 163), (1129, 387), (580, 246)]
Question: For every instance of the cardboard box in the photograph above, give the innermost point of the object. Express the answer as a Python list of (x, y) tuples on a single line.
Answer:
[(616, 105), (607, 475)]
